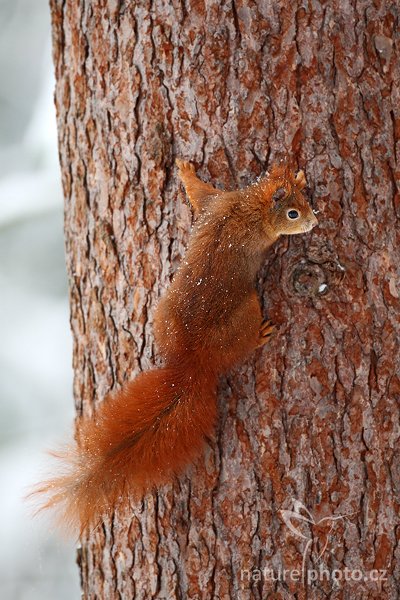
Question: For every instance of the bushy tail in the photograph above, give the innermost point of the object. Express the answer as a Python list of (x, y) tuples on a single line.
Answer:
[(140, 438)]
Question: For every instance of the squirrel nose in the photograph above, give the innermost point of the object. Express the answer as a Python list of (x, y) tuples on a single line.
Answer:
[(311, 222)]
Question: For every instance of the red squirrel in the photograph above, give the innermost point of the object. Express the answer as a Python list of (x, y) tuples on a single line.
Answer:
[(208, 320)]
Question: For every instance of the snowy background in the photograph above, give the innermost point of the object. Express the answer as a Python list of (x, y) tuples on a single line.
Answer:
[(36, 408)]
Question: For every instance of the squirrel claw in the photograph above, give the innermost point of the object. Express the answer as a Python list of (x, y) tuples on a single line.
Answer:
[(266, 330)]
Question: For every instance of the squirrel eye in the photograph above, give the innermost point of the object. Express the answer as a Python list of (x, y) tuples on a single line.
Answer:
[(279, 194), (293, 214)]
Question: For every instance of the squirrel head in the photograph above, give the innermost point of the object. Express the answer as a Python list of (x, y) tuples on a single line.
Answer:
[(288, 209)]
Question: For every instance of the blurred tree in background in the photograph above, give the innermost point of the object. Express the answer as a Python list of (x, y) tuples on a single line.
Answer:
[(35, 349)]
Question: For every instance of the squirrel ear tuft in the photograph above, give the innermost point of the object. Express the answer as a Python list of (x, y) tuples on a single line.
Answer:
[(300, 180)]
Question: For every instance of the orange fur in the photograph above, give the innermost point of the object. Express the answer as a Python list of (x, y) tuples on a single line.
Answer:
[(209, 319), (141, 437)]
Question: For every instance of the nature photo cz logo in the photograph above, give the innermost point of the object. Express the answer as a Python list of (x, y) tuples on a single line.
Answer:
[(317, 535), (301, 514)]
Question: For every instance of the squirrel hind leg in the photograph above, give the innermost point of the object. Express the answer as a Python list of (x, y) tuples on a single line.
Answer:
[(198, 191)]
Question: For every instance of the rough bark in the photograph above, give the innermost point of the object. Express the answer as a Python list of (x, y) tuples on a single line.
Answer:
[(314, 416)]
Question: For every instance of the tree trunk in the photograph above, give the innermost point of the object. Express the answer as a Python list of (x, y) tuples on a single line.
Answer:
[(314, 416)]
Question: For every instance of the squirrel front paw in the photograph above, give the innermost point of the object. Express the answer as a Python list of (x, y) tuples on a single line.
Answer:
[(266, 330), (184, 165)]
